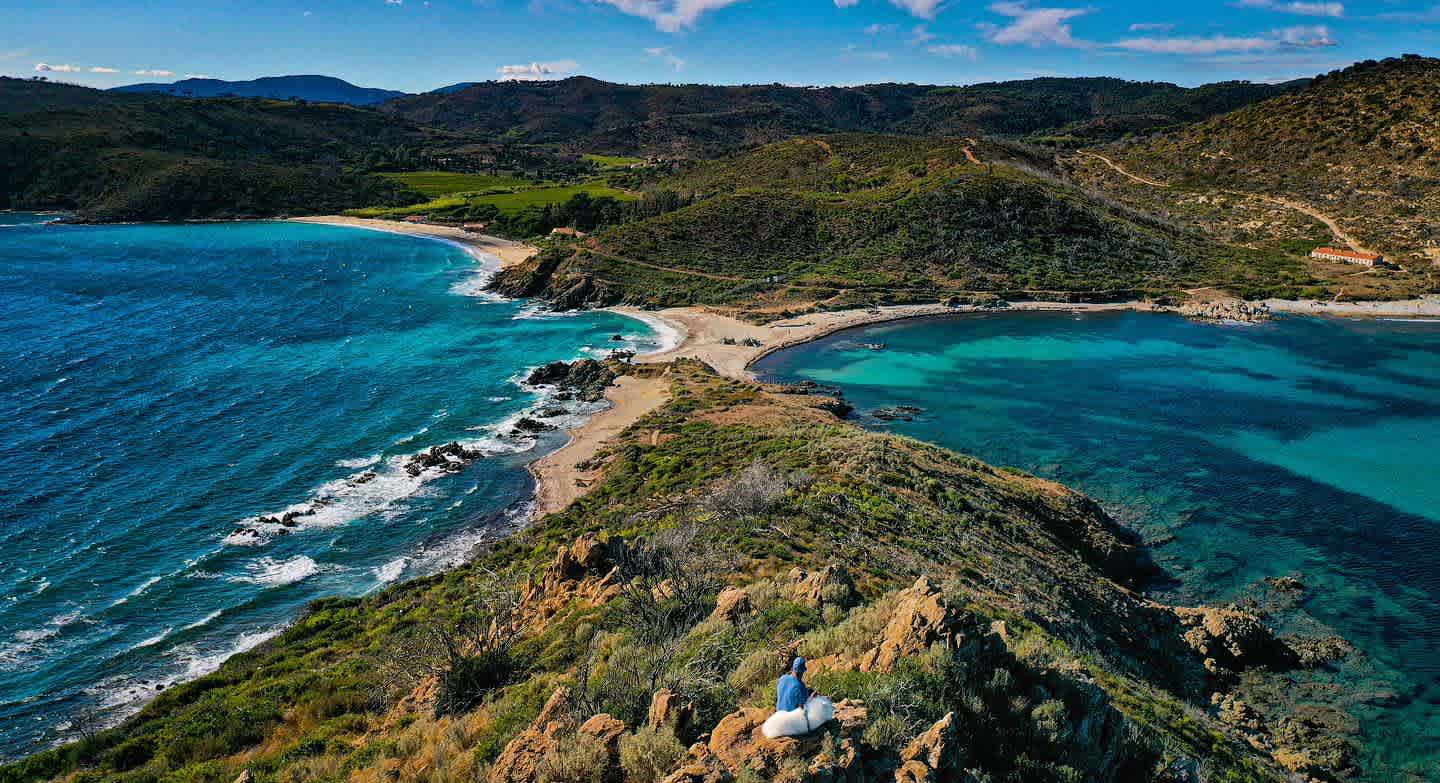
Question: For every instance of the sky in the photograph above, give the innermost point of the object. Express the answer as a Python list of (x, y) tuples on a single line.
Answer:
[(418, 45)]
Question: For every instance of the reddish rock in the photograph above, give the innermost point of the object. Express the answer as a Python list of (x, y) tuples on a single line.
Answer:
[(830, 586), (921, 618), (732, 604)]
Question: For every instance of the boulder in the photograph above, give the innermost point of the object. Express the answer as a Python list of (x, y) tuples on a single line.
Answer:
[(1231, 638), (608, 730), (830, 586), (586, 568), (732, 604), (921, 618), (934, 755), (520, 760), (667, 709), (587, 379)]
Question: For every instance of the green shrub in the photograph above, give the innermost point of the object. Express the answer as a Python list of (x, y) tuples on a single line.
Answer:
[(649, 754), (579, 759)]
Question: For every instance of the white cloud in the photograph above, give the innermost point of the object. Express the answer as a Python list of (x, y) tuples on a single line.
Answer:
[(846, 3), (50, 68), (1035, 26), (960, 51), (534, 72), (198, 76), (155, 72), (877, 28), (1151, 27), (669, 57), (103, 69), (925, 9), (1299, 7), (921, 35), (394, 2), (857, 53), (669, 16), (1212, 45), (1303, 37)]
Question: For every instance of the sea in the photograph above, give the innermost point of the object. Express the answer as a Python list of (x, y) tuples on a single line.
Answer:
[(1305, 447), (162, 387)]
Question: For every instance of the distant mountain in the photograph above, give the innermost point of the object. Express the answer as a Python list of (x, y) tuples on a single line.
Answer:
[(318, 89), (689, 120)]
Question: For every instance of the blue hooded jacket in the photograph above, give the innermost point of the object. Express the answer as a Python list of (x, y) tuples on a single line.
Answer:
[(791, 694)]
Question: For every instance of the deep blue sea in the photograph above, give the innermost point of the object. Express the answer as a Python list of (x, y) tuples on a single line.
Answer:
[(1304, 446), (162, 385)]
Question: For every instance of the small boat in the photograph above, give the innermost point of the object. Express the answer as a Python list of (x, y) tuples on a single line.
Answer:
[(873, 346)]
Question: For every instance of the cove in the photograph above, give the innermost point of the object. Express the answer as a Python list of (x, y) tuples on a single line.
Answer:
[(163, 386), (1304, 446)]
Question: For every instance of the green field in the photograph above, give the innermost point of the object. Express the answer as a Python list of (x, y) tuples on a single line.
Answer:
[(509, 202), (441, 183), (613, 161)]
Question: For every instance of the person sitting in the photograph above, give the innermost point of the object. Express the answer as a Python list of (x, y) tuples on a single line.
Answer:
[(798, 710)]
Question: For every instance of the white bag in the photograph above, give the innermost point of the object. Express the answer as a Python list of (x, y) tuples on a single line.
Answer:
[(802, 720)]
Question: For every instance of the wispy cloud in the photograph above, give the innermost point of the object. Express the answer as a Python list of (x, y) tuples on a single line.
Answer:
[(154, 72), (877, 29), (921, 35), (1036, 27), (56, 68), (925, 9), (670, 16), (198, 76), (846, 3), (534, 72), (394, 2), (1151, 27), (958, 51), (103, 69), (1298, 7), (1301, 37), (859, 53), (664, 54), (1431, 14)]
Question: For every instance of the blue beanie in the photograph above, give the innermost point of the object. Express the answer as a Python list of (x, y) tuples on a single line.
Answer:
[(798, 665)]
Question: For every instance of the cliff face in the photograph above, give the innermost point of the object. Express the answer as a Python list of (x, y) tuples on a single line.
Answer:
[(970, 623)]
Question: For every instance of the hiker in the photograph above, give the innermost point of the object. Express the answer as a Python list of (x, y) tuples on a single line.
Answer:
[(798, 710)]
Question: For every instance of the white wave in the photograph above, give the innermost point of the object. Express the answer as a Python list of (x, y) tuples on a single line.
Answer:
[(156, 639), (411, 437), (668, 336), (356, 464), (274, 573), (460, 547), (499, 399), (206, 620), (27, 641), (201, 665), (146, 585), (392, 570)]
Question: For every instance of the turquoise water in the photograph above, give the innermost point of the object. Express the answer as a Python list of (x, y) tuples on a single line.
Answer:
[(1304, 446), (162, 385)]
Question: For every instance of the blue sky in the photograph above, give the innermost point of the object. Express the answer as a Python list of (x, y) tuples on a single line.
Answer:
[(417, 45)]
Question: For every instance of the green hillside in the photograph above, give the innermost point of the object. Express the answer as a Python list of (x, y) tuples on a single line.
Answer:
[(114, 156), (1361, 146), (735, 525), (851, 220)]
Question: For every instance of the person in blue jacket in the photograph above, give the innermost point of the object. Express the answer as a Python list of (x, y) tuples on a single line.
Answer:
[(792, 693)]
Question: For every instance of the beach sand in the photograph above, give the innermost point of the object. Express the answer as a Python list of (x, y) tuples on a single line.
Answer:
[(509, 252), (1425, 307)]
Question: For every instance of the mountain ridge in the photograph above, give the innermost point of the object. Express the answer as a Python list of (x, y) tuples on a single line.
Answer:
[(308, 87)]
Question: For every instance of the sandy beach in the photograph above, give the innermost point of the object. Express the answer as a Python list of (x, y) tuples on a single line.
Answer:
[(1425, 307), (508, 251)]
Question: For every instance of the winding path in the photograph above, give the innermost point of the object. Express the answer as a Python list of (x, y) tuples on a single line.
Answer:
[(1298, 206)]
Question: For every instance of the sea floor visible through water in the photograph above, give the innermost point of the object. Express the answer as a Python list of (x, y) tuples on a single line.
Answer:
[(163, 386), (1302, 447)]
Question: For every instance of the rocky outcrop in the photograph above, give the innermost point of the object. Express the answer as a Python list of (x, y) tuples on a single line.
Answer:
[(520, 760), (583, 379), (668, 709), (922, 617), (731, 605), (897, 413), (587, 569), (830, 586), (606, 730), (934, 755), (452, 457), (1227, 310), (1231, 639), (737, 747)]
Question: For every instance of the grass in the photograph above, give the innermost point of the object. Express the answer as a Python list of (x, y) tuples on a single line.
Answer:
[(444, 183), (510, 201), (613, 161)]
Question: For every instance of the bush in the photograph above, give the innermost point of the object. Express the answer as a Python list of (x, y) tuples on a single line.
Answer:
[(649, 754), (581, 759)]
